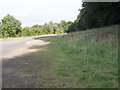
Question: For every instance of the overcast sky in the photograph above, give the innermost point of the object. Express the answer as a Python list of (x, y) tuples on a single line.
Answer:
[(31, 12)]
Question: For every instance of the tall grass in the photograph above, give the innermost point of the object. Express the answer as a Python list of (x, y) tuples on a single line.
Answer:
[(92, 60)]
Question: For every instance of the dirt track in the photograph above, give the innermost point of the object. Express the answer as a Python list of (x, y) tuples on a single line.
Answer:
[(25, 48)]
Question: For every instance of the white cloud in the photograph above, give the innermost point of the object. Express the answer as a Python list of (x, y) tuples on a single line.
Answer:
[(31, 12)]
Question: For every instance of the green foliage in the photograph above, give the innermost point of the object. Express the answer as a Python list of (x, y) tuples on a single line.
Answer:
[(51, 28), (96, 14), (10, 27), (0, 30), (65, 25), (25, 32)]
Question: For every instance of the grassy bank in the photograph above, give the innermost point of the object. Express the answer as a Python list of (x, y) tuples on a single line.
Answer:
[(76, 60), (92, 60)]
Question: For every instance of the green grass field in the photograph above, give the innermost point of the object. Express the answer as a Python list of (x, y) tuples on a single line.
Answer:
[(77, 60), (92, 61)]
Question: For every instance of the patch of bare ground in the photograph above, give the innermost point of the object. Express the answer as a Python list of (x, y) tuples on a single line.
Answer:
[(28, 47)]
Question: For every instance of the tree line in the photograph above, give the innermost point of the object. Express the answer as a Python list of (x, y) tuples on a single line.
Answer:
[(11, 27), (96, 14), (92, 15)]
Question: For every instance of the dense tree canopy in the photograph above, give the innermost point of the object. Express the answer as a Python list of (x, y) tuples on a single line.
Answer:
[(10, 27), (96, 14)]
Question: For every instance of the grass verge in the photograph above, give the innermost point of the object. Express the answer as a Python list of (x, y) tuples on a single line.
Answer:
[(92, 62), (75, 60)]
